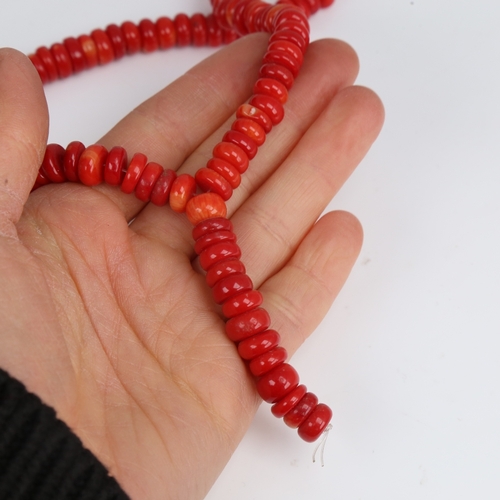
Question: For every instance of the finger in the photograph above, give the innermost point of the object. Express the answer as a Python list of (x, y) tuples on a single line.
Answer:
[(23, 134), (330, 65), (299, 295), (170, 125), (271, 224)]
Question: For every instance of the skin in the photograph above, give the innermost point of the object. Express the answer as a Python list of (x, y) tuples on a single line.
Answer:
[(112, 324)]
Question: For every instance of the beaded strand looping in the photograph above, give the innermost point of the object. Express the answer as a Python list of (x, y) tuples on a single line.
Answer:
[(203, 196)]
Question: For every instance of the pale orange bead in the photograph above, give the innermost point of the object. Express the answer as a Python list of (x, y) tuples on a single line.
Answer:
[(205, 206), (182, 191)]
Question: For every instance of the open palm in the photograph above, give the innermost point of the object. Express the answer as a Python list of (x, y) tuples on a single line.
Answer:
[(103, 311)]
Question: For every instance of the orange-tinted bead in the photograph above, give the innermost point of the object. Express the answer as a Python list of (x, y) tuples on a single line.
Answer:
[(290, 36), (117, 39), (213, 238), (89, 50), (182, 191), (147, 181), (272, 107), (148, 35), (277, 383), (183, 29), (48, 62), (76, 54), (42, 72), (243, 141), (314, 425), (52, 164), (62, 59), (167, 36), (134, 171), (71, 159), (272, 88), (285, 404), (267, 361), (250, 128), (132, 37), (301, 411), (211, 225), (234, 284), (211, 181), (224, 269), (219, 252), (255, 114), (227, 171), (205, 206), (233, 154), (116, 166), (161, 190), (241, 303), (258, 344), (247, 324), (104, 47), (199, 30), (91, 165)]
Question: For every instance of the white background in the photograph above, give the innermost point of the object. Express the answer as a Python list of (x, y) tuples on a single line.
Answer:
[(408, 356)]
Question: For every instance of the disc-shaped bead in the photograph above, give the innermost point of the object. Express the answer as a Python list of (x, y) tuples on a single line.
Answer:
[(76, 55), (218, 253), (290, 36), (52, 164), (314, 425), (226, 170), (284, 59), (267, 361), (182, 191), (91, 165), (62, 59), (278, 382), (297, 27), (147, 181), (209, 180), (42, 72), (258, 344), (132, 37), (116, 166), (199, 30), (183, 28), (167, 36), (285, 404), (247, 324), (48, 62), (250, 128), (231, 286), (147, 30), (271, 106), (162, 187), (272, 88), (210, 226), (241, 303), (134, 171), (41, 180), (89, 51), (104, 47), (243, 141), (277, 72), (72, 156), (117, 39), (223, 269), (214, 32), (301, 411), (233, 154), (257, 115), (213, 238), (205, 206)]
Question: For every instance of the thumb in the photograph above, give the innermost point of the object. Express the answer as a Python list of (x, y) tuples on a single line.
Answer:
[(23, 133)]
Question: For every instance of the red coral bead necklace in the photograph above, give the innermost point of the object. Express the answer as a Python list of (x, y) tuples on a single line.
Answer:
[(202, 196)]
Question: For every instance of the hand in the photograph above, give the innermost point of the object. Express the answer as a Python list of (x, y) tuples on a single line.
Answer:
[(110, 322)]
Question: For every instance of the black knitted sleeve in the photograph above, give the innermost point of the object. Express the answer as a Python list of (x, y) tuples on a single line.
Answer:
[(40, 458)]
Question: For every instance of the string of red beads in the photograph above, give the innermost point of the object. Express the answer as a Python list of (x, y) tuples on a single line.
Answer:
[(203, 196)]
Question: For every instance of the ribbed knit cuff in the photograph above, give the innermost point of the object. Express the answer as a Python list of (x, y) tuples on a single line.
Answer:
[(40, 458)]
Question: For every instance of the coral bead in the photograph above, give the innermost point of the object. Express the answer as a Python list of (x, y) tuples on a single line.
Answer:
[(314, 425), (267, 361), (199, 30), (223, 269), (250, 128), (212, 238), (89, 50), (41, 180), (205, 206), (91, 165), (278, 382), (161, 190), (301, 411), (218, 253), (297, 28), (134, 171), (49, 63), (243, 141), (258, 344), (284, 405), (71, 159), (147, 30), (211, 225), (290, 36), (247, 324), (214, 32), (42, 72), (117, 39), (76, 54), (271, 106), (62, 59), (271, 88), (182, 191), (52, 164), (228, 287), (167, 36), (255, 114), (104, 47), (183, 28), (132, 37), (147, 181), (116, 166), (279, 73), (241, 303), (226, 170), (209, 180), (233, 154)]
